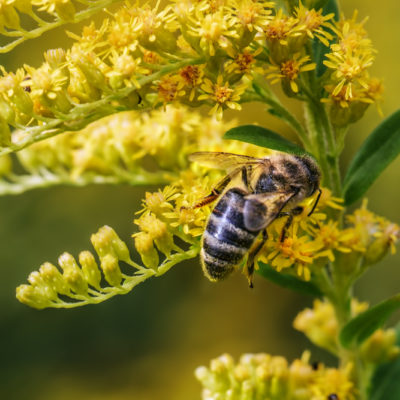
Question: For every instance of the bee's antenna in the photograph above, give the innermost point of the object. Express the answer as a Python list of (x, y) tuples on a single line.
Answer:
[(316, 202)]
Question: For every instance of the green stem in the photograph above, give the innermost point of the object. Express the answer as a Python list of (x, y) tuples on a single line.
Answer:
[(277, 109)]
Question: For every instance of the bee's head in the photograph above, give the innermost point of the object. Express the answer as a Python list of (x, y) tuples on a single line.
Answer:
[(313, 173)]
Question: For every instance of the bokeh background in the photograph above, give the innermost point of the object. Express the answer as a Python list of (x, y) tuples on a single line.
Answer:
[(146, 345)]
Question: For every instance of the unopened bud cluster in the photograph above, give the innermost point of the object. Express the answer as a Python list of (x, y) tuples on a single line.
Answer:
[(77, 281), (265, 377)]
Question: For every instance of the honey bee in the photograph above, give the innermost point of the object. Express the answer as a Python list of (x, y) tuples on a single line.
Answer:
[(268, 188)]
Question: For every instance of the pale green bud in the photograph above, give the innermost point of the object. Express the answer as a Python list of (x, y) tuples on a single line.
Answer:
[(5, 134), (7, 113), (22, 101), (111, 270), (32, 297), (90, 269), (380, 347), (148, 253), (73, 274), (47, 291), (5, 165), (53, 277)]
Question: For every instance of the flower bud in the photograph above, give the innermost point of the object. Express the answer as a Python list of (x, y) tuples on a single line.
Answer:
[(144, 246), (384, 241), (47, 291), (65, 10), (5, 165), (10, 17), (22, 101), (32, 297), (90, 269), (5, 134), (55, 57), (53, 277), (157, 229), (7, 113), (72, 274), (380, 347), (111, 270)]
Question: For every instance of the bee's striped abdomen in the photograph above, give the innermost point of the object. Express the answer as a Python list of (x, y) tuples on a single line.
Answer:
[(226, 240)]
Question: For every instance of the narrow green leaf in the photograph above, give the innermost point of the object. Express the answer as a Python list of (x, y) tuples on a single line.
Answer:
[(263, 137), (319, 49), (385, 382), (380, 148), (288, 281), (366, 323)]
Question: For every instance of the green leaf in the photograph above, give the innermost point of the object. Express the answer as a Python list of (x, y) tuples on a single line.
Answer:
[(263, 137), (319, 49), (385, 382), (380, 148), (366, 323), (288, 281)]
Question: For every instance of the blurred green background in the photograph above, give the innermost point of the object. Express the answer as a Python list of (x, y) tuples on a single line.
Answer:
[(145, 345)]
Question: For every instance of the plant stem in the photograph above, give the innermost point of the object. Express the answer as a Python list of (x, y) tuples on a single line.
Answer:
[(328, 152)]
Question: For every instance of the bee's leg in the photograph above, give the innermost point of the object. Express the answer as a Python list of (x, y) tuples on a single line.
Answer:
[(290, 215), (316, 202), (221, 185), (249, 268), (215, 192)]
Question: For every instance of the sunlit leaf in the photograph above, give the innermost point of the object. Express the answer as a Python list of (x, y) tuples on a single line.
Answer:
[(380, 148), (263, 137), (366, 323)]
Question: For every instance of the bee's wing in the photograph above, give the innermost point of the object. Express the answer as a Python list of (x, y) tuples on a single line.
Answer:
[(221, 160), (260, 210)]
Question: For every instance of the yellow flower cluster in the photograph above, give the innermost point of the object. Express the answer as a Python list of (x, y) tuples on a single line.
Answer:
[(262, 376), (116, 149), (309, 244), (320, 325), (350, 87), (314, 241), (192, 52)]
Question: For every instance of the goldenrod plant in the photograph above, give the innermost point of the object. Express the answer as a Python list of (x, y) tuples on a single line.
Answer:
[(121, 105)]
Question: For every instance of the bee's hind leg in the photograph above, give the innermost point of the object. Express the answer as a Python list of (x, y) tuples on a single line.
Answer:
[(249, 268), (221, 185), (290, 215)]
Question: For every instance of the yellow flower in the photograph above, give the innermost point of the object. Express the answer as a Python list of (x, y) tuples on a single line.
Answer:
[(222, 95), (294, 250), (159, 202), (192, 76), (169, 88), (334, 383), (288, 71), (335, 239), (251, 15), (213, 31), (125, 70), (280, 28), (243, 63), (312, 22), (350, 58)]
